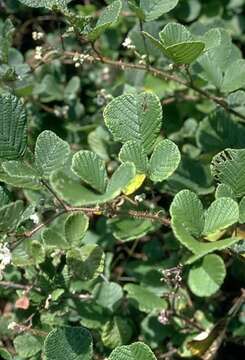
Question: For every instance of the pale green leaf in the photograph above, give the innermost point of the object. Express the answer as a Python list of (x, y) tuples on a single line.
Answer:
[(5, 196), (234, 77), (185, 53), (108, 17), (27, 345), (206, 276), (136, 351), (13, 127), (116, 332), (228, 167), (224, 190), (5, 355), (76, 194), (242, 211), (179, 44), (135, 117), (10, 215), (120, 179), (218, 131), (49, 4), (91, 169), (198, 248), (21, 174), (54, 239), (76, 226), (28, 182), (51, 153), (155, 8), (127, 229), (144, 299), (187, 209), (87, 262), (133, 151), (164, 160), (68, 343), (221, 214), (108, 295), (174, 33)]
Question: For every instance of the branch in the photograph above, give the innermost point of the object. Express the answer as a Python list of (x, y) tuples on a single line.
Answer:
[(162, 74)]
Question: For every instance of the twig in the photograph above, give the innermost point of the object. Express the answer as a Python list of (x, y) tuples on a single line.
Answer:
[(162, 74), (60, 201), (11, 285)]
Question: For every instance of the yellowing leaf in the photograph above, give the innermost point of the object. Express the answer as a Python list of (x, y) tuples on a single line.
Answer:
[(134, 184)]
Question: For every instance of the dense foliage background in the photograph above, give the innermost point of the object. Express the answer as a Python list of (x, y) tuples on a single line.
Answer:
[(122, 179)]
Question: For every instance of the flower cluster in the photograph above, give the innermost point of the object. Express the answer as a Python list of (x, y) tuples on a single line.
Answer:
[(37, 35), (38, 53), (128, 44), (79, 59), (5, 258)]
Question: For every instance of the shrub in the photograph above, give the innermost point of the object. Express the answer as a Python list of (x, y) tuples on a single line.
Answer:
[(122, 194)]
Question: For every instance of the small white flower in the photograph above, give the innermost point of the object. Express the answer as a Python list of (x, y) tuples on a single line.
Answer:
[(38, 53), (5, 258), (12, 326), (128, 44), (37, 35), (34, 218)]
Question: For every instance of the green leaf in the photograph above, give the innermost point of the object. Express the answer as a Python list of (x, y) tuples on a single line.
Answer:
[(49, 4), (156, 8), (242, 211), (174, 33), (221, 214), (68, 343), (5, 196), (135, 117), (76, 226), (54, 239), (10, 215), (178, 44), (164, 160), (51, 153), (218, 131), (198, 248), (87, 262), (134, 151), (13, 127), (116, 332), (28, 182), (206, 276), (73, 192), (21, 174), (136, 351), (144, 299), (120, 179), (91, 169), (127, 229), (228, 167), (108, 17), (234, 77), (224, 190), (5, 355), (187, 209), (108, 295), (27, 345)]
